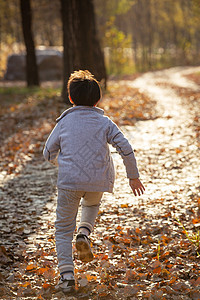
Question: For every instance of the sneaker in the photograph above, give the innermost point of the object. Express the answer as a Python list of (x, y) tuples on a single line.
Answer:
[(66, 285), (83, 247)]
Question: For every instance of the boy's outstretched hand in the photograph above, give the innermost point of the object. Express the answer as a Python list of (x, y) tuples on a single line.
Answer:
[(137, 186)]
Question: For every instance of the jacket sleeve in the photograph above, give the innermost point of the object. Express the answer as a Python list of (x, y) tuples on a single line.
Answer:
[(52, 145), (123, 147)]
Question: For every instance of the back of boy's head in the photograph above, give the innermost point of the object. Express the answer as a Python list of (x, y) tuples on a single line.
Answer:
[(83, 88)]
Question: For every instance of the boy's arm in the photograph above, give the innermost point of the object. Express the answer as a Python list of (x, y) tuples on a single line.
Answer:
[(52, 145), (117, 140)]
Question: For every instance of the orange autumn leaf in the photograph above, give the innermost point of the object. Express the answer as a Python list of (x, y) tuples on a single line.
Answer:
[(196, 221), (178, 150), (119, 227), (40, 297), (105, 256), (147, 294), (137, 230), (165, 254), (132, 264), (41, 271), (31, 267), (91, 277), (46, 285), (167, 214), (104, 294), (165, 239), (25, 284), (144, 242), (172, 280), (126, 241), (51, 240), (157, 270), (124, 205)]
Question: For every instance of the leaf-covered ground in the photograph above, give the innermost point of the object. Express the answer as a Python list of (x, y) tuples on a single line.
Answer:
[(146, 247)]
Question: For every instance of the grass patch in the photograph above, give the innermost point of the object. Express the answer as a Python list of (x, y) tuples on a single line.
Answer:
[(18, 90), (24, 91), (16, 95)]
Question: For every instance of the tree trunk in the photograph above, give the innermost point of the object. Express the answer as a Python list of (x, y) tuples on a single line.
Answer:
[(81, 46), (68, 67), (31, 64), (149, 32)]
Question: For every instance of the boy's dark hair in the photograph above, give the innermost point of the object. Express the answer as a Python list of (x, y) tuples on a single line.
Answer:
[(83, 88)]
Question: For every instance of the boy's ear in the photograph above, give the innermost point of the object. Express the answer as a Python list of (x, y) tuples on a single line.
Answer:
[(70, 99)]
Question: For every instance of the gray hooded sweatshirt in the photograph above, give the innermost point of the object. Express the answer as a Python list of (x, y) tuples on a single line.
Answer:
[(80, 140)]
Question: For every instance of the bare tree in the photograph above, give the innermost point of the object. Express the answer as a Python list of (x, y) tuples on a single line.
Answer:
[(31, 64), (81, 46)]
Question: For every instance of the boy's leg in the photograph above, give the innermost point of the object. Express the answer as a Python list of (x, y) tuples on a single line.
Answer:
[(90, 207), (66, 212)]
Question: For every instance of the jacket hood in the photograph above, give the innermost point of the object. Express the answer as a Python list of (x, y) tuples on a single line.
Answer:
[(80, 107)]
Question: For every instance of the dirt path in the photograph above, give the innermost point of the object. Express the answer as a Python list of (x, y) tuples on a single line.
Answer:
[(141, 251), (166, 148)]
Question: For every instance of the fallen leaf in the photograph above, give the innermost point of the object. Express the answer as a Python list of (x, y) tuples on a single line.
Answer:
[(46, 285), (31, 267), (197, 282), (156, 264), (91, 277), (83, 282)]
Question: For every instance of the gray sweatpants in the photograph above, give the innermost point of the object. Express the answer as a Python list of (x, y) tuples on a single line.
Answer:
[(66, 212)]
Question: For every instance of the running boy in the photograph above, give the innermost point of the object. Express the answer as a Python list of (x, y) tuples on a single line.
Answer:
[(85, 169)]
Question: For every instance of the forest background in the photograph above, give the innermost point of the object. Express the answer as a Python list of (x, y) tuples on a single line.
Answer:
[(136, 35)]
